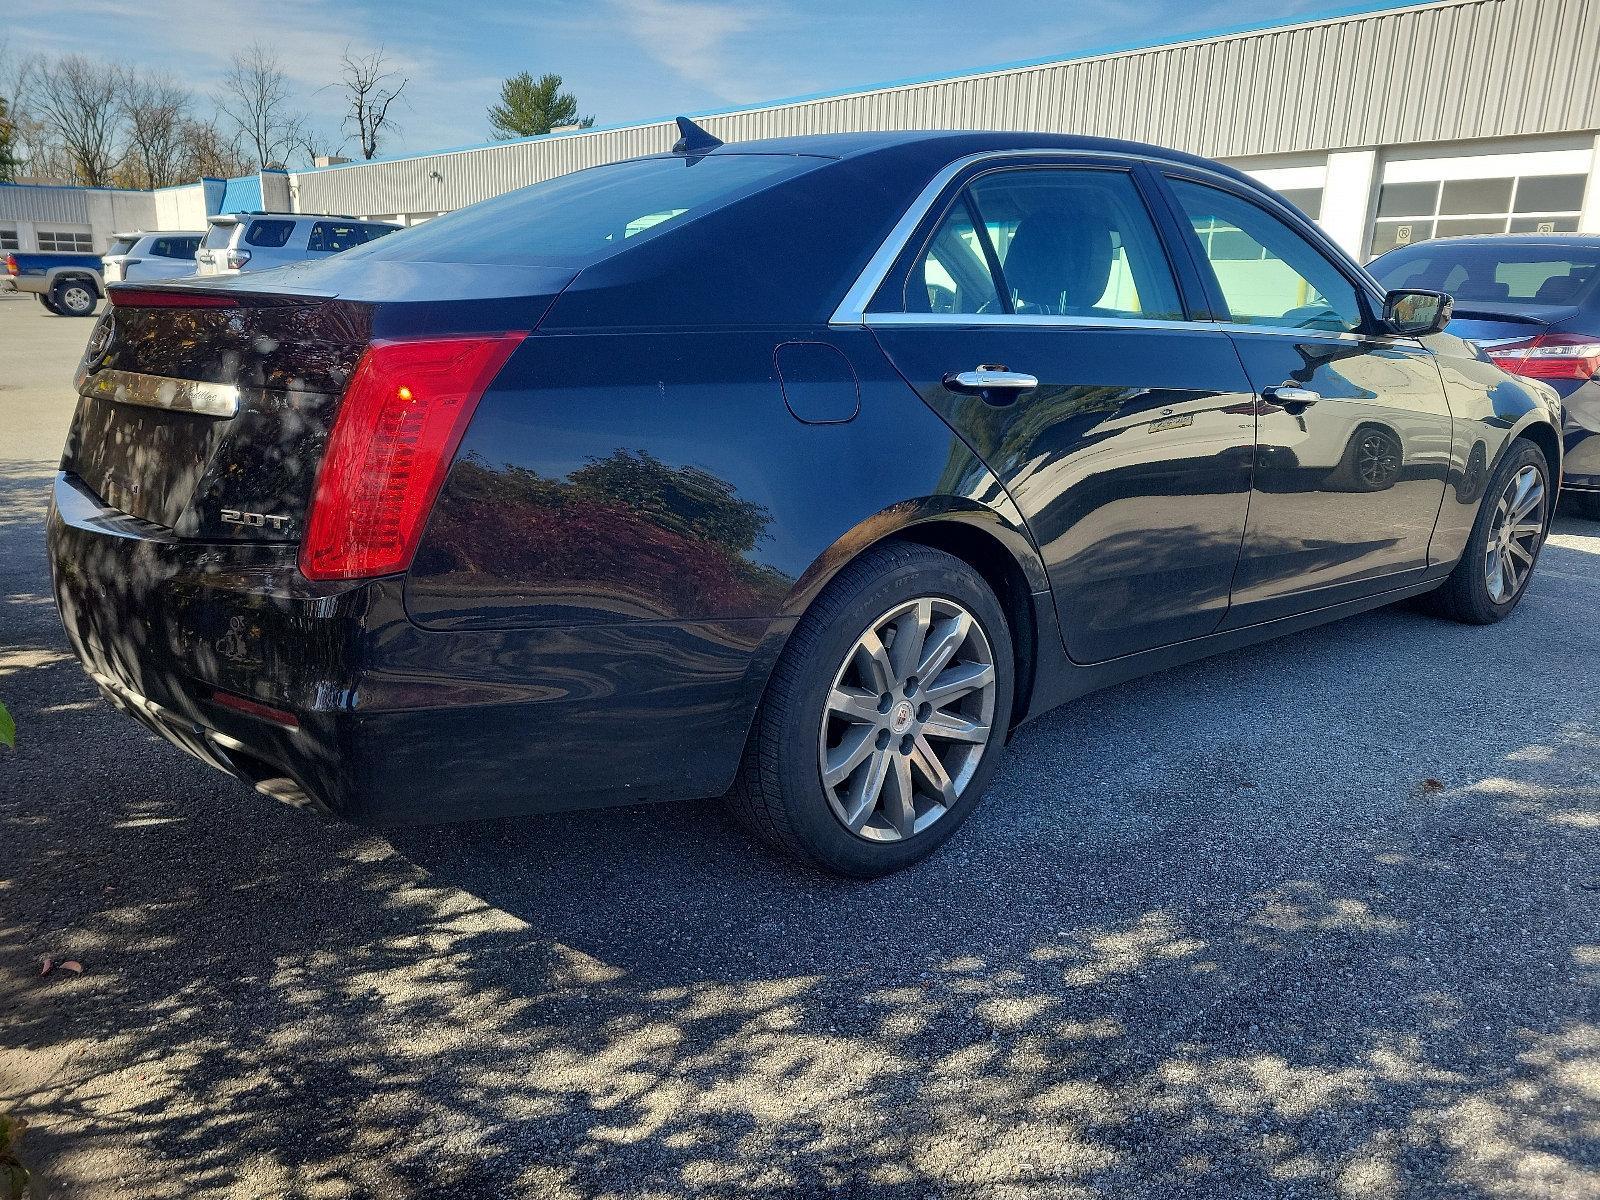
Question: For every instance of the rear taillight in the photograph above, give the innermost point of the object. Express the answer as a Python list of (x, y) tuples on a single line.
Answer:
[(237, 259), (398, 427), (11, 264), (1550, 356)]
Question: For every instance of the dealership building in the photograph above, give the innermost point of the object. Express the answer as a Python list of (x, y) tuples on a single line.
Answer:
[(1390, 124)]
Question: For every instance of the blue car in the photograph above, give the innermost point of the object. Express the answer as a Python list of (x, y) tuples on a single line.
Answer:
[(799, 472), (1533, 304)]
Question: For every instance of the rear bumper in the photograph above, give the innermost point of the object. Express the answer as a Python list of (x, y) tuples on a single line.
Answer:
[(1580, 428), (393, 723)]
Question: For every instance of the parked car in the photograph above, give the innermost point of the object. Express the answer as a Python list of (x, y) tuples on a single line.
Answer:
[(802, 470), (67, 284), (1532, 302), (144, 256), (259, 241)]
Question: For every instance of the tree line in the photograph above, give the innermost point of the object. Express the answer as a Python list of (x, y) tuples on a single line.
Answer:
[(77, 119)]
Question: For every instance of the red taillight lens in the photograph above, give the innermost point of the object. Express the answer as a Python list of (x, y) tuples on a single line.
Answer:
[(402, 418), (1551, 356), (255, 708), (126, 297), (11, 264)]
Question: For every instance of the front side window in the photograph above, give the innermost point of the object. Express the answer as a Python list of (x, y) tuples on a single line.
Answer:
[(269, 233), (1267, 272), (1063, 242)]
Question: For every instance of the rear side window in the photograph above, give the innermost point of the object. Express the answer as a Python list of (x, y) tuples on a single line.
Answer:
[(122, 245), (377, 231), (1267, 272), (583, 216), (1063, 242), (1520, 274), (329, 237), (220, 234), (174, 247), (269, 233)]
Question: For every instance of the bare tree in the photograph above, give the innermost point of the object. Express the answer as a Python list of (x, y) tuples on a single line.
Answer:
[(76, 102), (369, 88), (155, 108), (315, 144), (208, 150), (255, 99)]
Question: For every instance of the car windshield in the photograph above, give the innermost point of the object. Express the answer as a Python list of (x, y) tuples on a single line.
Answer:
[(581, 217), (1486, 271)]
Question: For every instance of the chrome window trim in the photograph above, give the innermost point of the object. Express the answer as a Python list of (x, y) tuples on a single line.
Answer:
[(852, 310), (1046, 321), (160, 391)]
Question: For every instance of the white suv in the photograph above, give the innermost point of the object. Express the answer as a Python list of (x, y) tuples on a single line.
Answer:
[(135, 256), (258, 241)]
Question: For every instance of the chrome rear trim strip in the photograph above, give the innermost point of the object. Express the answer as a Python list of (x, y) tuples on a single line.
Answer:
[(159, 391)]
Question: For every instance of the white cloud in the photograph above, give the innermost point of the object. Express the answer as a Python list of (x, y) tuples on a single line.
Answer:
[(692, 39)]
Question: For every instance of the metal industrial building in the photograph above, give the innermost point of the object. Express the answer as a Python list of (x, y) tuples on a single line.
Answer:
[(1392, 124)]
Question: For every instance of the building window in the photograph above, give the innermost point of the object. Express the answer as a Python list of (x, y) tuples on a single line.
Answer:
[(8, 240), (1417, 212), (70, 243)]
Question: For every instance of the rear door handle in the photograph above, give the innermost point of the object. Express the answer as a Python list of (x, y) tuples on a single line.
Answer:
[(998, 385), (1288, 394)]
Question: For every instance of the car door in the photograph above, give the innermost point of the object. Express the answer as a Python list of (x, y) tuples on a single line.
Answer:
[(1040, 314), (1353, 428)]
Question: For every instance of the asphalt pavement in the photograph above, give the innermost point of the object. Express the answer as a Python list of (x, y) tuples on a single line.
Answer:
[(1319, 918)]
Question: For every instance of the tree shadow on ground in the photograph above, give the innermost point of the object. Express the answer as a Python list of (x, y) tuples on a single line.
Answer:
[(1212, 935)]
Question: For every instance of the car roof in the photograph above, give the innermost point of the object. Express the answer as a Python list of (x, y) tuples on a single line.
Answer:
[(139, 233), (1587, 240), (947, 145)]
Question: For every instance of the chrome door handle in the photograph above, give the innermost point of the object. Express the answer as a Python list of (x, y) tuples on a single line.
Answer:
[(1288, 394), (986, 379)]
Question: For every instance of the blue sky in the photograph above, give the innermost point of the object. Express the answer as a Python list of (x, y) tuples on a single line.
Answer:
[(625, 59)]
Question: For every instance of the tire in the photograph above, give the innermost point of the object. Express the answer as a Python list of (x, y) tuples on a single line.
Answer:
[(1466, 595), (74, 297), (1371, 461), (49, 305), (781, 794), (1581, 504)]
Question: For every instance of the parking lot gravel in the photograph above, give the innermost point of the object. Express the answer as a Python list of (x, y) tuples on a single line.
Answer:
[(1313, 919)]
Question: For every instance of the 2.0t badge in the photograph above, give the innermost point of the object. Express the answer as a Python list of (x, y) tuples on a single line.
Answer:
[(233, 516)]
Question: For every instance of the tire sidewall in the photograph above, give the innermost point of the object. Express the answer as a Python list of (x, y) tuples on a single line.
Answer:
[(810, 814), (58, 295)]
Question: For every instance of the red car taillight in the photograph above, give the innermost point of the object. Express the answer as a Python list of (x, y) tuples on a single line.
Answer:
[(133, 297), (11, 264), (1551, 356), (398, 427), (237, 259)]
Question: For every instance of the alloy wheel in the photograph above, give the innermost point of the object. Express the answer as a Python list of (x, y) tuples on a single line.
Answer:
[(907, 720), (1514, 535), (77, 299), (1378, 459)]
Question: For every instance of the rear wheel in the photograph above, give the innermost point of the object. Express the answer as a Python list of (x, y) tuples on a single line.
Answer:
[(884, 719), (74, 297), (1506, 539)]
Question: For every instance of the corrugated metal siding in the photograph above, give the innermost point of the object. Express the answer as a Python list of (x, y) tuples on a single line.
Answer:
[(242, 195), (70, 206), (1436, 73)]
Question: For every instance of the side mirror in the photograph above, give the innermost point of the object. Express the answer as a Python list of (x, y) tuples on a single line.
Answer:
[(1414, 313)]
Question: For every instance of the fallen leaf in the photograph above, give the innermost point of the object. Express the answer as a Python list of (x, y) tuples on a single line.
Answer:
[(45, 968), (75, 967)]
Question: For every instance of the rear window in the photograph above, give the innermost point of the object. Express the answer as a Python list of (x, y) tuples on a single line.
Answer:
[(268, 233), (583, 216), (1519, 274), (220, 234)]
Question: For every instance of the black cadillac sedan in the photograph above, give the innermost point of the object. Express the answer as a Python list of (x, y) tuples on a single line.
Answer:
[(798, 471)]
